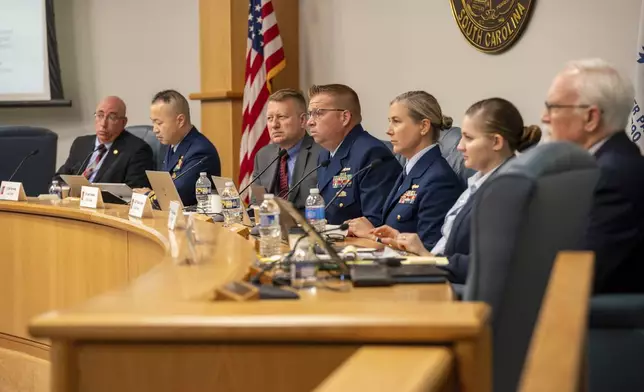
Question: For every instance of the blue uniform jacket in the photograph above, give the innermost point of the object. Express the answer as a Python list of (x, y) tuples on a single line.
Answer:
[(366, 194), (419, 203), (190, 150)]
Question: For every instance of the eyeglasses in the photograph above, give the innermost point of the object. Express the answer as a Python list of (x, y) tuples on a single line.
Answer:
[(113, 117), (316, 113), (550, 106)]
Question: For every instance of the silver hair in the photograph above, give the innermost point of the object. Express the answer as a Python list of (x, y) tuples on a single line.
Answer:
[(599, 83)]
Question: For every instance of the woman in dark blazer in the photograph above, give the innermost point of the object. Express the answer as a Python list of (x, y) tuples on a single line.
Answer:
[(428, 186), (492, 132)]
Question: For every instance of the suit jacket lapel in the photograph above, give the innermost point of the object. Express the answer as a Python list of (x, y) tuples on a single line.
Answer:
[(463, 214), (110, 158), (417, 171), (300, 164), (272, 171), (182, 149), (337, 162)]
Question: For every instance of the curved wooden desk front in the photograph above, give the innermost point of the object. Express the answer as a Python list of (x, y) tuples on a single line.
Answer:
[(56, 255)]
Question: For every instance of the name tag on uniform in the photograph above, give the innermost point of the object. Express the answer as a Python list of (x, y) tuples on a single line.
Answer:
[(341, 179), (408, 197), (91, 197), (12, 191), (140, 206)]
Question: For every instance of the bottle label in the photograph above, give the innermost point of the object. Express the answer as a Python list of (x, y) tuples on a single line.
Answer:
[(202, 190), (230, 204), (269, 219), (314, 213)]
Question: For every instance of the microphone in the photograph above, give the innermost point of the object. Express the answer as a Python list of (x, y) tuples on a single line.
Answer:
[(373, 164), (287, 258), (190, 168), (297, 184), (31, 154), (100, 147), (279, 155)]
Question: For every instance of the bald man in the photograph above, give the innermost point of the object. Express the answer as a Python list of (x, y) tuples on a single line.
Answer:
[(113, 155)]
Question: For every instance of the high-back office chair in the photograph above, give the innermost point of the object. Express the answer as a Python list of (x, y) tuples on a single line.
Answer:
[(145, 132), (448, 141), (535, 207), (36, 173)]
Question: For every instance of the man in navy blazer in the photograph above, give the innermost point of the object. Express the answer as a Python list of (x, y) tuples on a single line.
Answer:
[(334, 123), (589, 104), (188, 150)]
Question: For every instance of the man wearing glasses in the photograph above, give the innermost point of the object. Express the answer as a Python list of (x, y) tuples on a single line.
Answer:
[(334, 119), (286, 120), (589, 104), (113, 155)]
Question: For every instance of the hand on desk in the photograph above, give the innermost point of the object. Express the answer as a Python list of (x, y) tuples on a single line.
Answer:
[(360, 227), (409, 242)]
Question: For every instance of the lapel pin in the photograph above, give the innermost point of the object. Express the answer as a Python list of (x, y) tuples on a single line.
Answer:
[(116, 152)]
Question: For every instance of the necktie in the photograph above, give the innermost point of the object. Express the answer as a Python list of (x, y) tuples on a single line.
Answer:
[(283, 176), (92, 165), (402, 177)]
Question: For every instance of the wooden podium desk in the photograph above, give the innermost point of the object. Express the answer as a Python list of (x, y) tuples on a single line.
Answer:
[(123, 312)]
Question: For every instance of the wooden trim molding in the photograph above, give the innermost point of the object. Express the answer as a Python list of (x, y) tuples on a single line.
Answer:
[(217, 96)]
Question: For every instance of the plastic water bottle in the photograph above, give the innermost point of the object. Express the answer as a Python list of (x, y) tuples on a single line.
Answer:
[(202, 191), (231, 205), (56, 189), (314, 210), (270, 230)]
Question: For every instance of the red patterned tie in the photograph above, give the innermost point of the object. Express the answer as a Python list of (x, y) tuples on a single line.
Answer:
[(283, 176), (92, 165)]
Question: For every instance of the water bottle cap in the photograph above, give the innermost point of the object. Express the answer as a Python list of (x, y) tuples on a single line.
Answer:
[(203, 174), (314, 191), (268, 196), (55, 182), (229, 183)]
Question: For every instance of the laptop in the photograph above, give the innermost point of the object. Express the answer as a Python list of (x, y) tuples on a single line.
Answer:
[(75, 183), (287, 207), (220, 185), (164, 188), (122, 191)]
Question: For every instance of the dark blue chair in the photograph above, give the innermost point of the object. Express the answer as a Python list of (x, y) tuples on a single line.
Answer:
[(145, 132), (36, 173)]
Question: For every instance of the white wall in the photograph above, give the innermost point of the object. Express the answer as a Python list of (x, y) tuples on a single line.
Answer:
[(383, 48), (129, 48)]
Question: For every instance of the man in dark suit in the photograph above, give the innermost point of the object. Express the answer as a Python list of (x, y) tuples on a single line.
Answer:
[(334, 122), (589, 103), (286, 118), (113, 155), (188, 150)]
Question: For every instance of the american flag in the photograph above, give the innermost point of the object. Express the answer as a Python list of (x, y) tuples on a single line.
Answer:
[(264, 59)]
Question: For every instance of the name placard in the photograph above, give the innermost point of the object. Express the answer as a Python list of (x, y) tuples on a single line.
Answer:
[(175, 216), (12, 191), (91, 197), (140, 206)]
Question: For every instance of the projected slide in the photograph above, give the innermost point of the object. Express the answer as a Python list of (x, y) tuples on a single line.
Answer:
[(24, 70)]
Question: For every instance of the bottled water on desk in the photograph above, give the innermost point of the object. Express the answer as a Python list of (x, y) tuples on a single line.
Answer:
[(231, 205), (202, 191), (56, 189), (270, 231), (314, 210)]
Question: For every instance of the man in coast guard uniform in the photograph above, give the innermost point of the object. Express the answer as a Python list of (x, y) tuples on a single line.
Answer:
[(170, 115), (334, 123)]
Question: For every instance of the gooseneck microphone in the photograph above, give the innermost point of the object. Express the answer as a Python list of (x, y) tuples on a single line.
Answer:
[(373, 164), (100, 147), (190, 168), (255, 177), (31, 154), (297, 184)]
